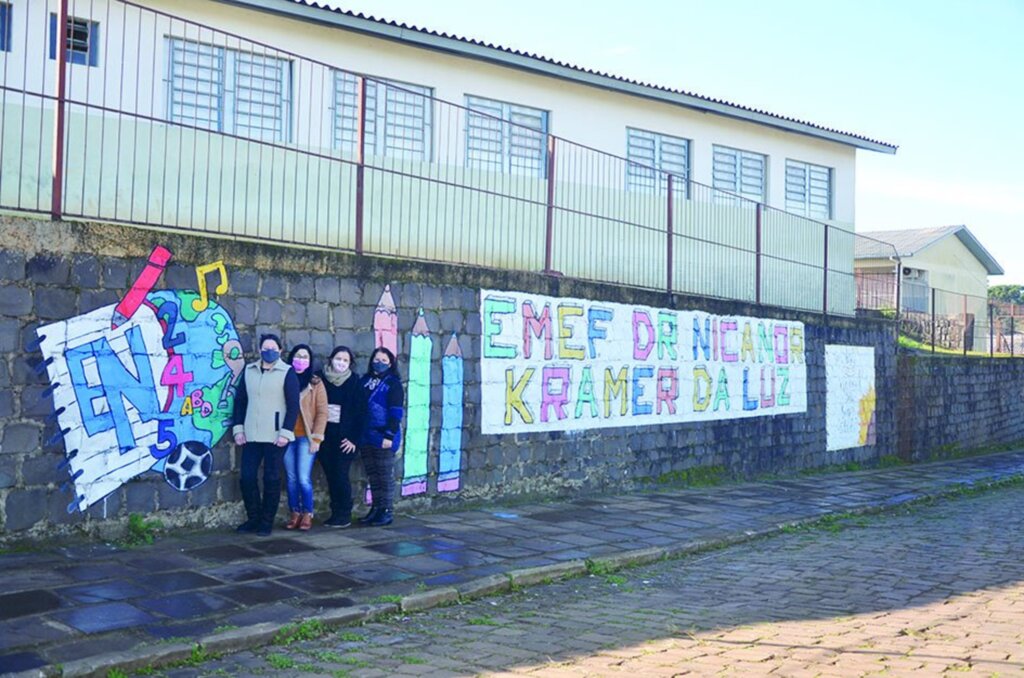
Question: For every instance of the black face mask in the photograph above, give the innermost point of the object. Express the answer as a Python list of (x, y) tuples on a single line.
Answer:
[(379, 367)]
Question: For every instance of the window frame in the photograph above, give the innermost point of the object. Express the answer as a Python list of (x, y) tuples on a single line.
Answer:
[(90, 57), (635, 168), (378, 120), (804, 207), (228, 94), (505, 120), (737, 187)]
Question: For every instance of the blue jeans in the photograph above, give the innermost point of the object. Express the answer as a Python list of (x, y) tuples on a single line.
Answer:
[(298, 465), (257, 507)]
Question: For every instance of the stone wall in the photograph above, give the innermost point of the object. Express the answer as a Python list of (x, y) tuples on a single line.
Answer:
[(54, 271), (951, 404)]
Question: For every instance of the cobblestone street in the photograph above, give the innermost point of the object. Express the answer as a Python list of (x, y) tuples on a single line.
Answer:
[(931, 589)]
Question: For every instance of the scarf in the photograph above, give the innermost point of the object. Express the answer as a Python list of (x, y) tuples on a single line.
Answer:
[(335, 377)]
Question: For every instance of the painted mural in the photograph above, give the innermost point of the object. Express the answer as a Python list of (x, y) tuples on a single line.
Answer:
[(417, 428), (557, 364), (452, 403), (146, 384), (850, 396)]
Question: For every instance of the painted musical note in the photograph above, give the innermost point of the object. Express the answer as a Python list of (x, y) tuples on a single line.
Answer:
[(203, 301)]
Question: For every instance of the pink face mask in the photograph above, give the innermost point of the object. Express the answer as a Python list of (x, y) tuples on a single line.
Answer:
[(300, 364)]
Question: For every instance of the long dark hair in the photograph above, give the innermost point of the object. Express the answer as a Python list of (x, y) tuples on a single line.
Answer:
[(304, 377), (391, 370)]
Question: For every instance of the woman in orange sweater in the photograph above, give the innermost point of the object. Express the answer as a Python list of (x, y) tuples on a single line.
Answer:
[(309, 433)]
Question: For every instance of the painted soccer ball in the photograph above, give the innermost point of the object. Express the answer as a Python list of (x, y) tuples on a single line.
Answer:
[(188, 466)]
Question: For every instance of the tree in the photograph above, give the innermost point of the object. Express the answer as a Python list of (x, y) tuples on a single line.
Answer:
[(1010, 294)]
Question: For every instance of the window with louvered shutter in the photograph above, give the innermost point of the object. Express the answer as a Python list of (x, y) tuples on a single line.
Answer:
[(808, 189), (507, 138), (652, 156), (229, 91), (739, 172), (402, 112)]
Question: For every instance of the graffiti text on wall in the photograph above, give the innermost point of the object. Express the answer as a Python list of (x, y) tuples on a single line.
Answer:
[(849, 396), (146, 384), (555, 364)]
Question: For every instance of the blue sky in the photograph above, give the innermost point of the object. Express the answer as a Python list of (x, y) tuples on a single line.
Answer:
[(942, 79)]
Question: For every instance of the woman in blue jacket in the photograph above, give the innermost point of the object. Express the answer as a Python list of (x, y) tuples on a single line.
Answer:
[(382, 435)]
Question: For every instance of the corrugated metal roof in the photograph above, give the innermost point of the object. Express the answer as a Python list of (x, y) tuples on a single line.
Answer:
[(425, 37), (909, 242)]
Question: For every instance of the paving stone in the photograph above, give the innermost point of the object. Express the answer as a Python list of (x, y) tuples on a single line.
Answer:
[(103, 617)]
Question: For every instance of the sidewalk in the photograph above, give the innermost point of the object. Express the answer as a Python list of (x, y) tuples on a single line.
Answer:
[(89, 608)]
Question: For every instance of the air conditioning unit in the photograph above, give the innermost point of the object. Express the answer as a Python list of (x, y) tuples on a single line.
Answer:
[(912, 273)]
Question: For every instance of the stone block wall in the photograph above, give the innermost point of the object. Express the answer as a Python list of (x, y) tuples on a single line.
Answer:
[(53, 271), (951, 404)]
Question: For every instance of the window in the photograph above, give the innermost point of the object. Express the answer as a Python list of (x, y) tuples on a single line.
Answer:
[(226, 90), (403, 114), (506, 138), (740, 172), (81, 40), (5, 26), (808, 189), (649, 152)]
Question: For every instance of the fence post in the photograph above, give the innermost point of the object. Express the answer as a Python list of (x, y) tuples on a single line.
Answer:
[(991, 333), (824, 282), (671, 238), (360, 159), (549, 233), (933, 320), (757, 253), (61, 50), (965, 324), (1011, 336)]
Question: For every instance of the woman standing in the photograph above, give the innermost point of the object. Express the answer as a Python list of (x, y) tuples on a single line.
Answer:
[(346, 412), (309, 434), (266, 407), (383, 433)]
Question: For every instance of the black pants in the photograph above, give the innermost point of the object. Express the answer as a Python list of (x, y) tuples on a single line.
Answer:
[(271, 457), (380, 471), (336, 466)]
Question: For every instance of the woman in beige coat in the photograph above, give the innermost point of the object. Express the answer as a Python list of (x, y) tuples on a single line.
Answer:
[(309, 434)]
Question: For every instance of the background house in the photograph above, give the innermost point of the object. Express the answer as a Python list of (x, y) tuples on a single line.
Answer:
[(253, 119), (943, 269)]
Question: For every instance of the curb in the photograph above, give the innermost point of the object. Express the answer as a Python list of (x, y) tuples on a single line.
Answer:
[(264, 633)]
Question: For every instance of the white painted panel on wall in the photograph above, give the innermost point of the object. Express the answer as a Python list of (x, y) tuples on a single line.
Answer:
[(558, 364), (850, 396)]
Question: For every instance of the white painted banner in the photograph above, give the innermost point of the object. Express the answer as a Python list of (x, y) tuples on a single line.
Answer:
[(849, 396), (556, 364)]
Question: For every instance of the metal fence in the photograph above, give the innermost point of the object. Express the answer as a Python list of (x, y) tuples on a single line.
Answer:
[(152, 119)]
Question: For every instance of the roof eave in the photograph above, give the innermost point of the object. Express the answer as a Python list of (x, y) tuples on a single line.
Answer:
[(458, 47)]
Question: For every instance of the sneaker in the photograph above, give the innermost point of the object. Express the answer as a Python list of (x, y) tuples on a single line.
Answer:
[(264, 530), (385, 517), (250, 525), (370, 517), (338, 521)]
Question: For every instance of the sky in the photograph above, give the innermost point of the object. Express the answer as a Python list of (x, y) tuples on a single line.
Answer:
[(943, 79)]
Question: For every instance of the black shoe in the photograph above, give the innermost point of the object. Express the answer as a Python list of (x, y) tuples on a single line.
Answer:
[(250, 525), (338, 521), (264, 529), (385, 517), (371, 516)]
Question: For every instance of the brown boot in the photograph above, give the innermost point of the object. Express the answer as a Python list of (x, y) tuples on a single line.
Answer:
[(294, 521), (306, 522)]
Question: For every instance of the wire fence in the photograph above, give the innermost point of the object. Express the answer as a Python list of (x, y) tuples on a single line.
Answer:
[(152, 119)]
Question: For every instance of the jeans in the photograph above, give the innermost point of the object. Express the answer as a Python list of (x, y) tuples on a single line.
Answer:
[(298, 465), (336, 466), (269, 455), (380, 471)]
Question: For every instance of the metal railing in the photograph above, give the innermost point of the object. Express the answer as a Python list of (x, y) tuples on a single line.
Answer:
[(152, 119)]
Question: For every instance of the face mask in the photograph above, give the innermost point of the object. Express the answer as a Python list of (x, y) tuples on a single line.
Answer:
[(300, 364), (340, 365), (269, 355), (380, 367)]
